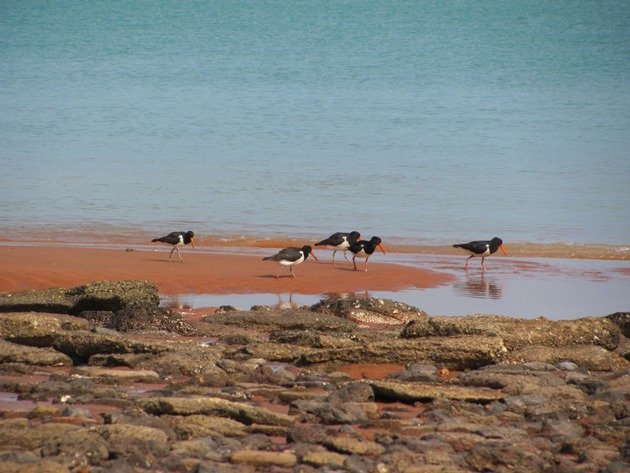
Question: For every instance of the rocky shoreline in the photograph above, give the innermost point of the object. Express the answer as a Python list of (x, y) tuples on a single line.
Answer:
[(99, 378)]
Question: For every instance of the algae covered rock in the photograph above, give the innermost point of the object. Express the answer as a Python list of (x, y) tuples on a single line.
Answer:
[(519, 333), (369, 310), (99, 295)]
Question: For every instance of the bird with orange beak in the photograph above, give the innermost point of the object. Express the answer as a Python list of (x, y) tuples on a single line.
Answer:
[(364, 249), (481, 248), (177, 239), (291, 256)]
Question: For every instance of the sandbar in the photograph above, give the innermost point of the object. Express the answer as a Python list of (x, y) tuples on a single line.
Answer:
[(202, 272)]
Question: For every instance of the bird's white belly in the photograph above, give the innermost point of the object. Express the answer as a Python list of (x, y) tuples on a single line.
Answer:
[(361, 254), (485, 253), (341, 247), (285, 262)]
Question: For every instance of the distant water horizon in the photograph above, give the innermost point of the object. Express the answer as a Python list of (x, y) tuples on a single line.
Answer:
[(422, 122)]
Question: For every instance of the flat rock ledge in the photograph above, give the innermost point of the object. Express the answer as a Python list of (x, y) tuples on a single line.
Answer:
[(239, 411), (119, 305), (377, 311), (420, 392)]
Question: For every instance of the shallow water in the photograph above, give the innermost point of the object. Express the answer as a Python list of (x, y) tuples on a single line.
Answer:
[(428, 121), (526, 287)]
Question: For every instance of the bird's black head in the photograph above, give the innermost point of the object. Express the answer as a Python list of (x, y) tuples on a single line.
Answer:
[(495, 244), (188, 237), (307, 250), (376, 241), (354, 235)]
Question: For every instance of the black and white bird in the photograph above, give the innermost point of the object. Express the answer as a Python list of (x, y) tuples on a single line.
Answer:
[(340, 242), (291, 256), (364, 249), (177, 239), (481, 248)]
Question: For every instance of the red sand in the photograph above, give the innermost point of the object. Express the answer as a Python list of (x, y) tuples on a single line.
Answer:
[(40, 267)]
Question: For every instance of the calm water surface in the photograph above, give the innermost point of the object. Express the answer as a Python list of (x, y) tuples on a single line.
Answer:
[(428, 121), (526, 287)]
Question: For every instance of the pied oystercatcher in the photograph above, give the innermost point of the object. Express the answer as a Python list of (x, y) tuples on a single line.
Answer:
[(363, 249), (481, 248), (291, 256), (177, 239), (340, 242)]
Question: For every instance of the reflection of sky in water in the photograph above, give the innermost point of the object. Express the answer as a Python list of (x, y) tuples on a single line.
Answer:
[(527, 287)]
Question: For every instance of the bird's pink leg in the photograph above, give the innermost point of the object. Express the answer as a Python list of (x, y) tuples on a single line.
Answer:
[(354, 263), (466, 266), (482, 266)]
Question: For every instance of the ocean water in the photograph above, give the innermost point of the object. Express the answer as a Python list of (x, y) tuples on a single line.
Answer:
[(421, 121)]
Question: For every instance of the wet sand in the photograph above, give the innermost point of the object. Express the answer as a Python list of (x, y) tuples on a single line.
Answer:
[(203, 272)]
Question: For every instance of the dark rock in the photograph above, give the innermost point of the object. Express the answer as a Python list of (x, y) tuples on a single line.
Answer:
[(360, 464), (192, 426), (264, 459), (504, 456), (71, 445), (213, 406), (225, 308), (32, 324), (236, 339), (417, 372), (262, 308), (13, 353), (520, 333), (412, 392), (570, 357), (354, 444), (332, 412), (96, 296), (257, 442), (369, 310), (622, 320), (353, 392), (37, 466), (561, 431), (138, 318), (567, 366), (457, 353), (136, 440), (307, 433), (282, 319), (81, 345), (115, 295)]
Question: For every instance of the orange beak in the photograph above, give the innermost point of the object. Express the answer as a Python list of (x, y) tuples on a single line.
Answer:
[(313, 255), (503, 250), (381, 248)]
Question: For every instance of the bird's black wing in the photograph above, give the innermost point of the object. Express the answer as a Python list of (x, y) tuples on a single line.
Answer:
[(333, 240), (476, 247), (172, 238), (287, 254), (358, 246)]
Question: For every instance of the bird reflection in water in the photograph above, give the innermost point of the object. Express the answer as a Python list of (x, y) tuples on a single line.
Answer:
[(175, 303), (283, 304), (480, 286)]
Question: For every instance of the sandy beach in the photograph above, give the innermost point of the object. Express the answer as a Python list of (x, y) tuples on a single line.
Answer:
[(40, 267)]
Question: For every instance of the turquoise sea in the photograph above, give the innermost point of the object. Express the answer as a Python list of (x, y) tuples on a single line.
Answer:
[(421, 121)]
